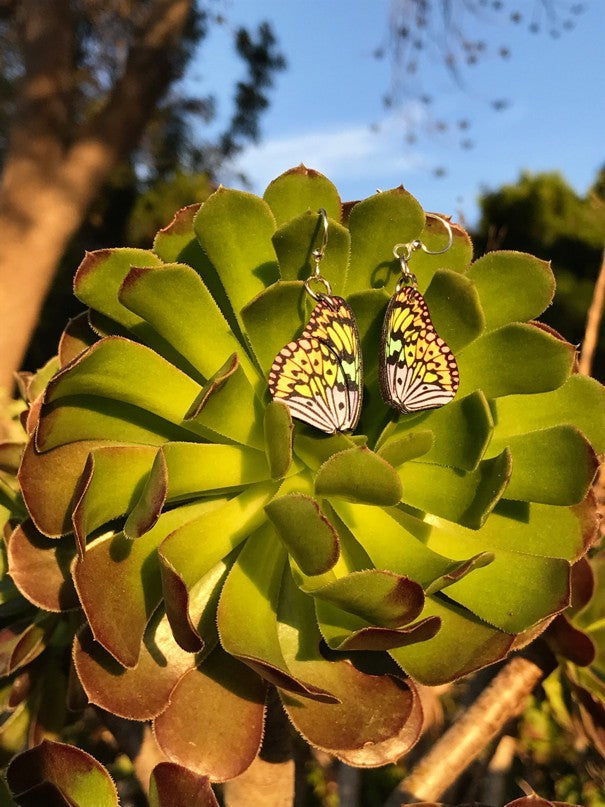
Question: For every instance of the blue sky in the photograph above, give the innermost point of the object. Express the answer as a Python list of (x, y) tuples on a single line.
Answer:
[(327, 111)]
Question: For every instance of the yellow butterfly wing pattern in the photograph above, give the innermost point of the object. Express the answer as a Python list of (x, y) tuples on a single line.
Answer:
[(417, 368), (319, 375)]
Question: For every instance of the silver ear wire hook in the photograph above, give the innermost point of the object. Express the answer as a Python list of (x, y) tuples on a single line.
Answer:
[(403, 252), (318, 255)]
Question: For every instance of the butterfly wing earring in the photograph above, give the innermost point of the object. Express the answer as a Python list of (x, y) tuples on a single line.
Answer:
[(319, 375), (417, 368)]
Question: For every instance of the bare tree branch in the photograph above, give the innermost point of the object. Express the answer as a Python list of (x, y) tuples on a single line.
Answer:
[(593, 322), (503, 699)]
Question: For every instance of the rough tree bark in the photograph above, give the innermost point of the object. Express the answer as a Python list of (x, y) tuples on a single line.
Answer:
[(50, 175)]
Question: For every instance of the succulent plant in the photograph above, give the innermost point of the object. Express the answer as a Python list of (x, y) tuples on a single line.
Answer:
[(219, 548), (576, 688), (35, 643)]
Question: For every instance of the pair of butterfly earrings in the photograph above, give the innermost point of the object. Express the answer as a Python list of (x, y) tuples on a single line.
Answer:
[(319, 375)]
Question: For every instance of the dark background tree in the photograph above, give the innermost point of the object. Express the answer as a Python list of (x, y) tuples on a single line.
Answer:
[(90, 95)]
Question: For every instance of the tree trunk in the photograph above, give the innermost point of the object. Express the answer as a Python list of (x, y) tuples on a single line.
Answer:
[(51, 173), (37, 219)]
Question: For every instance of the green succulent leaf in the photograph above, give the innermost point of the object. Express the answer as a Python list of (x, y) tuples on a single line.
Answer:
[(553, 466), (85, 417), (201, 468), (579, 402), (455, 308), (99, 277), (235, 230), (513, 286), (125, 371), (464, 644), (461, 433), (295, 241), (501, 591), (247, 613), (148, 506), (227, 406), (536, 529), (301, 189), (177, 304), (466, 497), (278, 429), (54, 773), (517, 358), (176, 242), (172, 785), (376, 225), (400, 449), (306, 532), (359, 475), (195, 548), (272, 319), (112, 480), (222, 741)]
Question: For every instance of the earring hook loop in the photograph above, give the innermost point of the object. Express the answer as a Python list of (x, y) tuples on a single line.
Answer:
[(403, 252), (318, 255)]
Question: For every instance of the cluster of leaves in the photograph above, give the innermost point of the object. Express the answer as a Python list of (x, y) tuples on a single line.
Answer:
[(543, 215), (216, 549)]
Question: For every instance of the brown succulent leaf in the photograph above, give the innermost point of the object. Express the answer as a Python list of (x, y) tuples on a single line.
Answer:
[(22, 642), (567, 641), (139, 693), (582, 584), (174, 786), (214, 721), (48, 482), (40, 568)]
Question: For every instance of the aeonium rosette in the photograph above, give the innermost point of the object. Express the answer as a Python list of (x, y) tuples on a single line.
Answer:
[(224, 548)]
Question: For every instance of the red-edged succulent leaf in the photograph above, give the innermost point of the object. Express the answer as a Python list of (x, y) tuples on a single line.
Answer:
[(76, 338), (363, 729), (57, 774), (247, 612), (23, 641), (118, 613)]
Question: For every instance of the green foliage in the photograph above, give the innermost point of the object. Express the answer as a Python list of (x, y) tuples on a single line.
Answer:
[(218, 549)]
